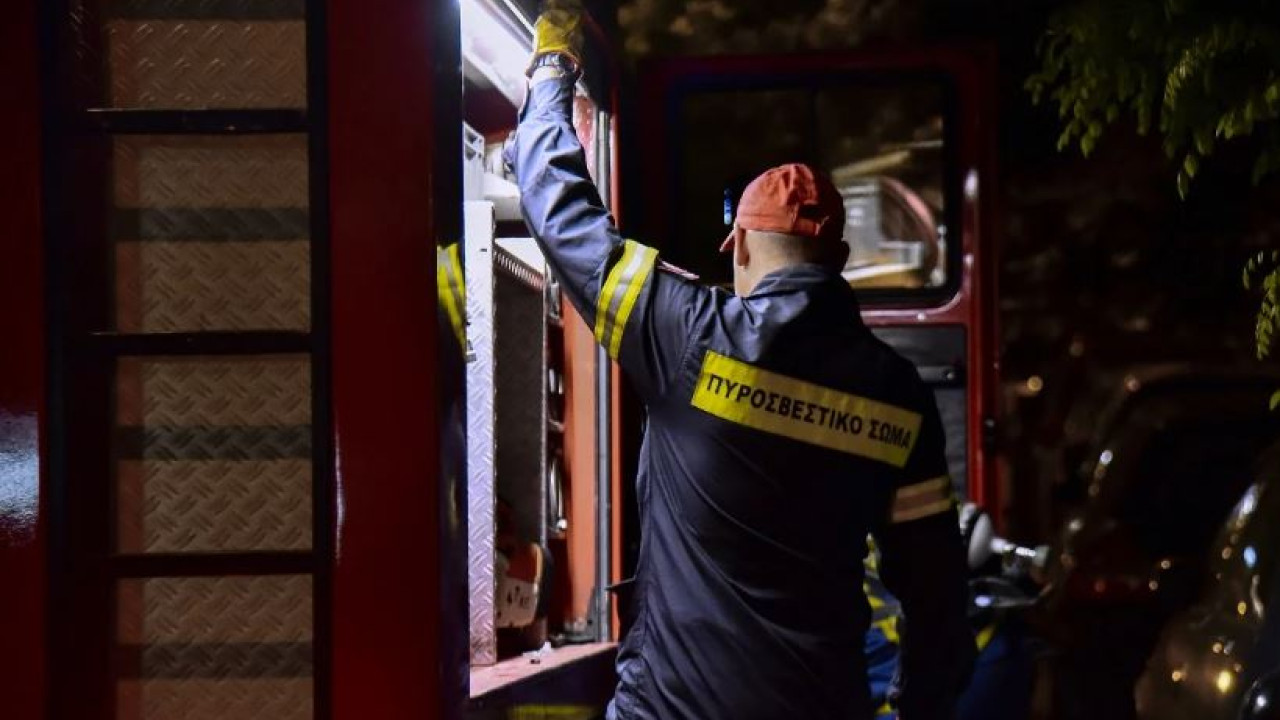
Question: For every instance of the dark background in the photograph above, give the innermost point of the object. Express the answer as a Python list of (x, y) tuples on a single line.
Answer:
[(1102, 265)]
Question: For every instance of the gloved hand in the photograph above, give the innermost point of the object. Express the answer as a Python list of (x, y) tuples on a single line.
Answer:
[(559, 30)]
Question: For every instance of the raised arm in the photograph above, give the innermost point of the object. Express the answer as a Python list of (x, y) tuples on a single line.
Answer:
[(563, 209), (639, 313)]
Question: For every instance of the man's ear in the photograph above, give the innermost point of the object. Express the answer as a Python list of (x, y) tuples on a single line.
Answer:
[(741, 253)]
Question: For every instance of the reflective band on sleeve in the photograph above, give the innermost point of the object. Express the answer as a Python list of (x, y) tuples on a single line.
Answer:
[(622, 287), (451, 290), (889, 626), (984, 637), (740, 393), (922, 499)]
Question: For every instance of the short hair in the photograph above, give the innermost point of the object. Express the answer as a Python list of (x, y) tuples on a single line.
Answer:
[(791, 249)]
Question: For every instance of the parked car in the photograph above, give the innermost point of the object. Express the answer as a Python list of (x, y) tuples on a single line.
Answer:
[(1169, 457), (1210, 655)]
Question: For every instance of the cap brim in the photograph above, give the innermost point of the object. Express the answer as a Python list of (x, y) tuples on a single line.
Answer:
[(727, 245)]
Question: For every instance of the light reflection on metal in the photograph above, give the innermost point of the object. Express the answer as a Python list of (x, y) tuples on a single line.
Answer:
[(339, 501), (495, 46), (1255, 597), (1246, 506), (19, 479), (481, 441), (1250, 556)]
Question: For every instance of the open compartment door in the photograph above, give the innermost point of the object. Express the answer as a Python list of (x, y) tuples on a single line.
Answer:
[(540, 431)]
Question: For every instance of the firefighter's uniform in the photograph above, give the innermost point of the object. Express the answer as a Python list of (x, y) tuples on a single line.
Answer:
[(780, 433)]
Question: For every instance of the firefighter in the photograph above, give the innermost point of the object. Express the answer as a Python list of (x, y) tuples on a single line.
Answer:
[(780, 433)]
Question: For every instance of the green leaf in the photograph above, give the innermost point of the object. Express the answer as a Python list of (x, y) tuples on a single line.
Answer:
[(1204, 140), (1190, 165), (1064, 139), (1275, 400)]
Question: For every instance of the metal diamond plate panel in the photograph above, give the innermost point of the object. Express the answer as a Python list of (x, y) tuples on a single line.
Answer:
[(189, 286), (210, 224), (176, 63), (213, 506), (275, 698), (520, 381), (190, 171), (227, 647), (214, 442), (208, 391), (213, 454), (210, 9), (478, 262), (215, 699), (211, 233), (212, 610)]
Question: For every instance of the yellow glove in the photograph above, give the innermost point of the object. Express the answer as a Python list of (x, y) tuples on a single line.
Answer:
[(559, 30)]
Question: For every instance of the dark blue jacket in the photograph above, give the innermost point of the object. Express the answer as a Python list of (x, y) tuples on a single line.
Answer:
[(780, 432)]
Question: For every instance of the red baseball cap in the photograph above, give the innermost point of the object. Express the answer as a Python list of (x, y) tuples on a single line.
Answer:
[(793, 199)]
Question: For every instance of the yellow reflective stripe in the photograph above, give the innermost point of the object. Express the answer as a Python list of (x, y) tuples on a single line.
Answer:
[(451, 290), (985, 635), (620, 292), (605, 301), (889, 626), (940, 485), (740, 393), (922, 511), (885, 709), (648, 256), (552, 712), (922, 500)]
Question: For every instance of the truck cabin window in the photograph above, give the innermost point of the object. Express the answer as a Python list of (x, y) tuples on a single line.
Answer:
[(883, 144)]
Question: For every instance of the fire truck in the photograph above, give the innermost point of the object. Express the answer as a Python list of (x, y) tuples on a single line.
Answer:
[(263, 456)]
